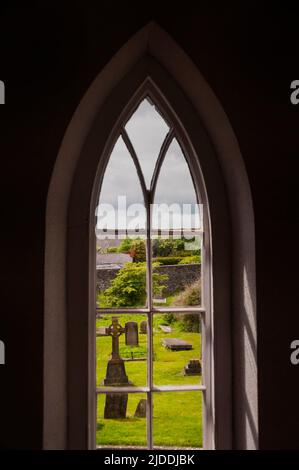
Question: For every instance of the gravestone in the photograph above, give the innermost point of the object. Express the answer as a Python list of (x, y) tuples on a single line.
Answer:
[(193, 367), (160, 301), (131, 332), (101, 331), (116, 405), (143, 327), (116, 373), (141, 409), (165, 329), (176, 344)]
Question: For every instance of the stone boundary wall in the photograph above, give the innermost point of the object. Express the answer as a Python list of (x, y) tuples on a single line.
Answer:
[(179, 276), (104, 277)]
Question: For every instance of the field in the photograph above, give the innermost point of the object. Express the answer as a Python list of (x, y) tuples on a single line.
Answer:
[(177, 416)]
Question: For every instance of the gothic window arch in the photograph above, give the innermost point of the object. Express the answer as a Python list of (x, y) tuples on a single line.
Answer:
[(152, 60)]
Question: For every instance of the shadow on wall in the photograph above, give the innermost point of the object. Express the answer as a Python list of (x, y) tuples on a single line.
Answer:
[(247, 365)]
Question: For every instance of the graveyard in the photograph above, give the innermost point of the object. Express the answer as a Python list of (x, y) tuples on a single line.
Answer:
[(177, 416)]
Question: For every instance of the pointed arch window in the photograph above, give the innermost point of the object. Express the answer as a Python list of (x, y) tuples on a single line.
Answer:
[(154, 389)]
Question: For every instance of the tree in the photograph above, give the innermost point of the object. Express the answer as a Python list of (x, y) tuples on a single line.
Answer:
[(167, 246), (135, 247), (128, 288), (138, 251), (125, 245)]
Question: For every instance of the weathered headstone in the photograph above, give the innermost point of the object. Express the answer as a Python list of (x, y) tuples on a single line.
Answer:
[(176, 344), (116, 373), (193, 367), (141, 409), (143, 327), (116, 406), (160, 301), (131, 332), (165, 329), (101, 331)]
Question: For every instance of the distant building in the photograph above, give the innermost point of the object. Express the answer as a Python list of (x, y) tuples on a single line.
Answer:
[(112, 260), (108, 243)]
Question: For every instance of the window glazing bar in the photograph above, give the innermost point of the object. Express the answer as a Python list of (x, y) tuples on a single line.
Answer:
[(199, 310), (136, 162), (179, 388), (132, 389), (162, 153), (159, 389), (122, 311)]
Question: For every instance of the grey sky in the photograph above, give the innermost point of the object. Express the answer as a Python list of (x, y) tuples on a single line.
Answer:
[(175, 184), (147, 131)]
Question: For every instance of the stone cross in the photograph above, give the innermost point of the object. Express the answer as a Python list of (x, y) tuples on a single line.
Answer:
[(115, 403), (115, 330)]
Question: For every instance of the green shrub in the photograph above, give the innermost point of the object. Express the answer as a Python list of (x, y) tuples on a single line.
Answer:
[(112, 249), (138, 251), (136, 351), (190, 260), (167, 246), (128, 288), (190, 296), (190, 322), (125, 245), (169, 318), (187, 253), (167, 260)]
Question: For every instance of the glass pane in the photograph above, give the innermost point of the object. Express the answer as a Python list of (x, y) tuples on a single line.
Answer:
[(121, 360), (121, 204), (121, 272), (147, 131), (176, 271), (121, 420), (177, 349), (177, 420), (175, 203)]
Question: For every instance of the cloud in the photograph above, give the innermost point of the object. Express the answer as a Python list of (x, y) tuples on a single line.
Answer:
[(147, 131)]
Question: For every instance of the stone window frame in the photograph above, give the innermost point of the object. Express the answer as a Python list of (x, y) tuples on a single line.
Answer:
[(69, 305)]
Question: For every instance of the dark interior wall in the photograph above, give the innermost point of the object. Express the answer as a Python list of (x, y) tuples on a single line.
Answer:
[(48, 58)]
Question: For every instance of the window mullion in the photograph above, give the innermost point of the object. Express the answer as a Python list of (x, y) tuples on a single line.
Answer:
[(149, 280)]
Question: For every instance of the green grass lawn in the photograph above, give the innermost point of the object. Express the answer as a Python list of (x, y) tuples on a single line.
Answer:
[(177, 415)]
